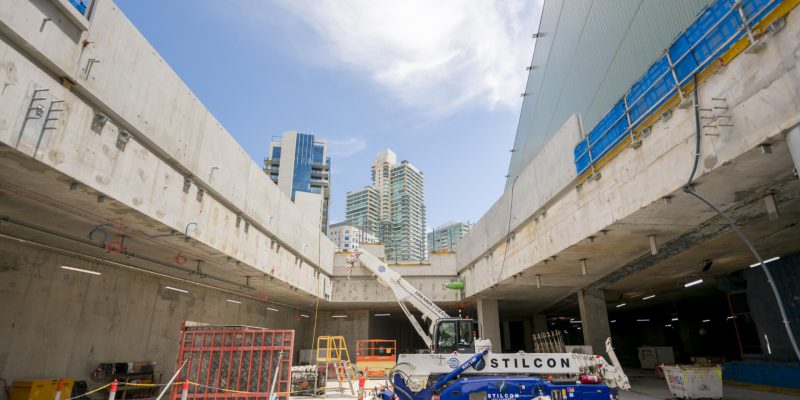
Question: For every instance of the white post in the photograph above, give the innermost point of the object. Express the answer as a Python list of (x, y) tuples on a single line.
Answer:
[(793, 140)]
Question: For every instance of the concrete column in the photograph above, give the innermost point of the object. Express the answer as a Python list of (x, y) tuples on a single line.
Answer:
[(527, 332), (793, 140), (506, 344), (539, 323), (594, 319), (489, 318)]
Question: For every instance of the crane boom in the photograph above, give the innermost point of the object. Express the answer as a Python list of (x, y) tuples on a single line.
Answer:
[(403, 291)]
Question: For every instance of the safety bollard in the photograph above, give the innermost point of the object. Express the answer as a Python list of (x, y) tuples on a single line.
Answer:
[(185, 390), (59, 387), (112, 391)]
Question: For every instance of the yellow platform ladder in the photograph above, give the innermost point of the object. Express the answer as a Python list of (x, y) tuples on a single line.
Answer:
[(332, 350)]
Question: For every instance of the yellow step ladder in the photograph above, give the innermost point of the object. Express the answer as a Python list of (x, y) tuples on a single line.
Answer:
[(332, 351)]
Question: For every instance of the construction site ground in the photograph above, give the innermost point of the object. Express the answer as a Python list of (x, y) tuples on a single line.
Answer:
[(644, 387)]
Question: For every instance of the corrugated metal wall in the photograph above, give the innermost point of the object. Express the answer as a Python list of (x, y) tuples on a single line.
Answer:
[(590, 53)]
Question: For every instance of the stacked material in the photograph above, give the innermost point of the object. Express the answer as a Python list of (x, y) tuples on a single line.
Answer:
[(549, 342), (305, 378)]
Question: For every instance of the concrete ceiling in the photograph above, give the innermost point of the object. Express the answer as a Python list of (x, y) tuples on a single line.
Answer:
[(38, 206), (41, 208), (687, 232)]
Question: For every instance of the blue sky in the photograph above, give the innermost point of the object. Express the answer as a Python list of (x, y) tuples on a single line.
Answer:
[(437, 82)]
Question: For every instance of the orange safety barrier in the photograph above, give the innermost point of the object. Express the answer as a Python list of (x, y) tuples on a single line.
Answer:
[(376, 356)]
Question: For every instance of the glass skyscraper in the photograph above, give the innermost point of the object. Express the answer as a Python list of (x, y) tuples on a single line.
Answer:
[(362, 209), (298, 162), (443, 238), (393, 208)]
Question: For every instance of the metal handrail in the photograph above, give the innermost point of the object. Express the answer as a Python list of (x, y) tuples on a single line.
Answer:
[(744, 25)]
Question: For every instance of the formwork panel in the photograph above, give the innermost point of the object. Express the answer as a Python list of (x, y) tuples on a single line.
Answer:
[(234, 362)]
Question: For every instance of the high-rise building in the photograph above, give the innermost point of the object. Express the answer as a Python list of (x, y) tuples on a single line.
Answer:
[(347, 237), (362, 209), (298, 163), (393, 208), (382, 167), (407, 214), (444, 237)]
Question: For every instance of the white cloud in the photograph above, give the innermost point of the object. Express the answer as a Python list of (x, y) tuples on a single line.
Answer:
[(432, 54), (345, 148)]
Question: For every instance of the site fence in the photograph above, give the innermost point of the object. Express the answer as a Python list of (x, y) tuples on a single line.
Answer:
[(235, 362)]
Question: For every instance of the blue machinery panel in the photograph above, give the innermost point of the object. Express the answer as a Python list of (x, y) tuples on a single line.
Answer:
[(716, 28)]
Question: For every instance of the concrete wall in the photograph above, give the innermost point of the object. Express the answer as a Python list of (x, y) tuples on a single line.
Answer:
[(354, 327), (369, 291), (443, 265), (173, 136), (59, 323), (363, 324), (359, 286)]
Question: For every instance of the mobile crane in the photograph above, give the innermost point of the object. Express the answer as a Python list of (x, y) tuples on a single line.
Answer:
[(461, 366)]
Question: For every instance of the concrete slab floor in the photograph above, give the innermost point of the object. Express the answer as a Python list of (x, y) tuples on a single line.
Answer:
[(650, 388), (643, 388)]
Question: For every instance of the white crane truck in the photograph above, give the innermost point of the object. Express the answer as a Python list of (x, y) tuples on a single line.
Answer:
[(461, 366)]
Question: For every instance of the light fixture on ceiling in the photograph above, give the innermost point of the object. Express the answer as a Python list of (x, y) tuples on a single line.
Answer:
[(648, 297), (272, 309), (692, 283), (233, 301), (765, 262), (174, 289), (85, 271)]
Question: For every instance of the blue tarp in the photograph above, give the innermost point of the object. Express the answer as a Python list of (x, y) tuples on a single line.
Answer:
[(716, 28), (79, 5)]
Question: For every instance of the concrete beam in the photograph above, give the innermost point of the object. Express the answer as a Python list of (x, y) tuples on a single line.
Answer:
[(231, 206), (594, 319)]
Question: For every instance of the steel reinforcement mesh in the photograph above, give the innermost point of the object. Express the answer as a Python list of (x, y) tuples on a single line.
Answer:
[(235, 362)]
